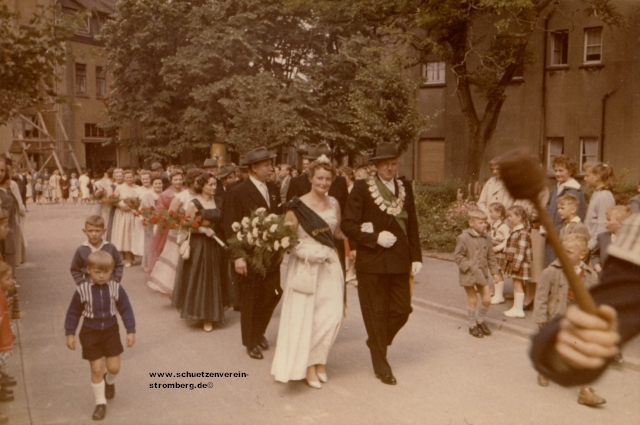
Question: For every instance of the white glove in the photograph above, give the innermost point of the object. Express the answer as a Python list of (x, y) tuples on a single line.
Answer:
[(366, 227), (386, 239), (207, 231), (416, 266)]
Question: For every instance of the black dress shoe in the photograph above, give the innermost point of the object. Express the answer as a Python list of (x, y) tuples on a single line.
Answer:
[(388, 379), (475, 331), (264, 344), (100, 412), (109, 390), (484, 328), (528, 306), (255, 353), (7, 380)]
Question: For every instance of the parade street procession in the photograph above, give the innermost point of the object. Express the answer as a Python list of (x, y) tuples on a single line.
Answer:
[(319, 212)]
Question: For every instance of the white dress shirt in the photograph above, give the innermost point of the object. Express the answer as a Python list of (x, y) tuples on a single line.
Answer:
[(262, 187), (390, 184)]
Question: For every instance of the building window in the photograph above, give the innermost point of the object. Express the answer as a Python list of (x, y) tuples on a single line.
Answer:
[(81, 78), (434, 72), (593, 45), (93, 131), (588, 151), (559, 47), (555, 147), (101, 82)]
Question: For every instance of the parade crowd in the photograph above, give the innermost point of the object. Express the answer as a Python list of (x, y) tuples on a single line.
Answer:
[(346, 225)]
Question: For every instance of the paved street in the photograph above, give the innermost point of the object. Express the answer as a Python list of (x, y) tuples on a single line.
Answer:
[(444, 375)]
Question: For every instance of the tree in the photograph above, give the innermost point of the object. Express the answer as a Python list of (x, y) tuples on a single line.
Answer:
[(484, 43), (251, 72), (29, 55)]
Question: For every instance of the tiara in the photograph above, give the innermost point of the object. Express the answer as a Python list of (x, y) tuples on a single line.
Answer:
[(323, 159)]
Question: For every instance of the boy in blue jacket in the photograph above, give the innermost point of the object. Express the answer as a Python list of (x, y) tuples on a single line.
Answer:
[(97, 300)]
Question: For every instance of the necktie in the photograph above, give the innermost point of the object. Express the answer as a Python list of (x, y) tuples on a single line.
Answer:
[(265, 193)]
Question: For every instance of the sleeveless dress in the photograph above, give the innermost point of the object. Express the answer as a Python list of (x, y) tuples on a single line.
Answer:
[(200, 290), (309, 324)]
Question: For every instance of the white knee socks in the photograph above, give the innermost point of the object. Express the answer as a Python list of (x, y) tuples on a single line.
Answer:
[(498, 297), (110, 378), (518, 303), (98, 392)]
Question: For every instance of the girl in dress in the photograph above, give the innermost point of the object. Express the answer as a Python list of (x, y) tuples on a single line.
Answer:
[(602, 178), (499, 234), (200, 291), (309, 324), (123, 218), (150, 200), (517, 264), (38, 189), (64, 188), (74, 188), (54, 183), (138, 228), (46, 191), (118, 179), (85, 181)]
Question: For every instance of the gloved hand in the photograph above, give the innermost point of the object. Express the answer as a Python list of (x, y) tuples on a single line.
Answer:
[(416, 266), (207, 231), (366, 227), (386, 239)]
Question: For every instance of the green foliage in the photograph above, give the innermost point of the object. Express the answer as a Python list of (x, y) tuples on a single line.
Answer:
[(252, 72), (29, 54)]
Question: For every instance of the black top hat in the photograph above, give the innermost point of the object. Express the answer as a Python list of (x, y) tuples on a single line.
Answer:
[(156, 166), (225, 170), (210, 163), (386, 150), (312, 153), (258, 154)]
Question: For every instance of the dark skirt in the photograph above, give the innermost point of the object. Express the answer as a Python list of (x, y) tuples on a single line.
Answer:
[(202, 281)]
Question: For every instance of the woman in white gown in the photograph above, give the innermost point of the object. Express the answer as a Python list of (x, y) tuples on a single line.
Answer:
[(309, 324)]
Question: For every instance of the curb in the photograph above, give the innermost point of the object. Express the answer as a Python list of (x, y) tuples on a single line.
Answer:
[(629, 363)]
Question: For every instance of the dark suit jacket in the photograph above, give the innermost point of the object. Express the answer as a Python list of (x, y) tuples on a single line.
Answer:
[(301, 186), (372, 258), (243, 199)]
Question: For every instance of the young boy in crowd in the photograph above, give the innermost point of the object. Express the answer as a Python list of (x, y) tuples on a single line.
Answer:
[(553, 295), (38, 189), (476, 260), (94, 228), (567, 211), (97, 299), (615, 216)]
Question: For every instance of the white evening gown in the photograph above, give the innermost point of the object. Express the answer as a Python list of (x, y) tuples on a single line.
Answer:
[(309, 324)]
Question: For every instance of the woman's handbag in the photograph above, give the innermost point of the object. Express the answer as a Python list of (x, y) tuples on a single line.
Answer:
[(185, 248), (304, 281)]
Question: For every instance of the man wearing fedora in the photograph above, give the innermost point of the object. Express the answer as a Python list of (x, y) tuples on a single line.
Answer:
[(380, 217), (226, 176), (258, 296)]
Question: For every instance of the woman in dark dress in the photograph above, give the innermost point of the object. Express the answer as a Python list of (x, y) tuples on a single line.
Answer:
[(200, 291), (64, 187)]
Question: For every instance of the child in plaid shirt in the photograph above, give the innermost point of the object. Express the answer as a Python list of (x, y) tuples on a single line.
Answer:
[(517, 263)]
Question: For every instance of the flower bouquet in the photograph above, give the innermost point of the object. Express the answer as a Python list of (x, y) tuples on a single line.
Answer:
[(133, 203), (146, 214), (262, 240), (111, 200), (98, 196), (168, 220)]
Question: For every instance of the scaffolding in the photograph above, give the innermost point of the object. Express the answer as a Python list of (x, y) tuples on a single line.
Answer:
[(31, 136)]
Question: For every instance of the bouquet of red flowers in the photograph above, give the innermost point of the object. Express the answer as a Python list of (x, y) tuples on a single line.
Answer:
[(98, 196), (168, 220), (146, 214), (194, 223), (133, 203), (111, 200)]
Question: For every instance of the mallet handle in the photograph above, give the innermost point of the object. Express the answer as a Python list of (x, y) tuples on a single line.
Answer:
[(583, 298)]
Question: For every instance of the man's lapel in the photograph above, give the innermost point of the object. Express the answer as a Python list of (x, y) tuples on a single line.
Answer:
[(256, 195)]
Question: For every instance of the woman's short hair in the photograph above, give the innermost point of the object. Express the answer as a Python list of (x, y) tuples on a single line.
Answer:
[(202, 181), (192, 175), (176, 172), (100, 260), (319, 164), (566, 162)]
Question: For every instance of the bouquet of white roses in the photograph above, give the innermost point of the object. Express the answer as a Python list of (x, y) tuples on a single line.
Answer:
[(261, 239)]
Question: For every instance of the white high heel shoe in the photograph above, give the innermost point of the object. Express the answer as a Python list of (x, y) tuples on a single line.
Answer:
[(322, 377), (314, 384)]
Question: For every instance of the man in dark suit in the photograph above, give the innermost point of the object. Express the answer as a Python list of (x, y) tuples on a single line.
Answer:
[(226, 176), (259, 295), (380, 217)]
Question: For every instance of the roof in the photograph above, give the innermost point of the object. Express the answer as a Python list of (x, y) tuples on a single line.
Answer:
[(103, 6)]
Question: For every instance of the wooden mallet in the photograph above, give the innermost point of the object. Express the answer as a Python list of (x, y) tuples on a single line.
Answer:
[(524, 178)]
